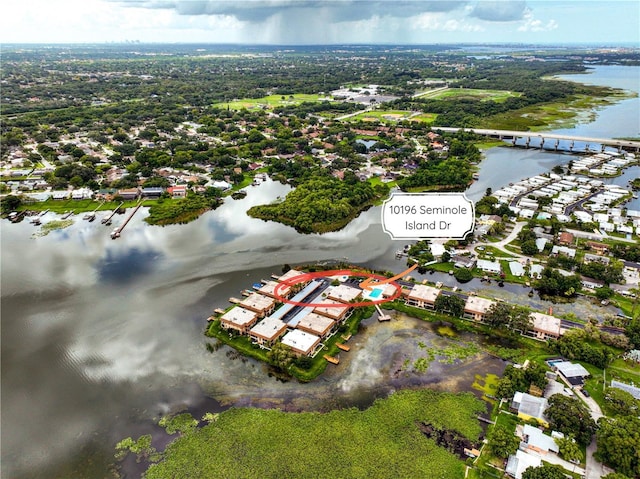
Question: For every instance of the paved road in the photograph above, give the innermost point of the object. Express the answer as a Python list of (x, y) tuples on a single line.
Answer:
[(594, 469), (500, 245)]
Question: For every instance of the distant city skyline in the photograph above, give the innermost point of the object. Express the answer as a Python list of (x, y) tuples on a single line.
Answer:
[(309, 22)]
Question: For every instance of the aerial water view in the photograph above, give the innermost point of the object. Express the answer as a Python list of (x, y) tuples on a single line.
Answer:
[(301, 239)]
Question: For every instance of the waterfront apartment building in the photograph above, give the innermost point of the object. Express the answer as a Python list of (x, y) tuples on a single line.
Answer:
[(476, 308), (422, 296), (544, 327), (258, 303), (269, 289), (238, 319), (316, 324), (268, 331), (301, 342)]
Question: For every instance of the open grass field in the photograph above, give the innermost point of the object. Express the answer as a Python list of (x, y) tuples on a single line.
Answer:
[(381, 442), (426, 117), (382, 115), (271, 101), (476, 94)]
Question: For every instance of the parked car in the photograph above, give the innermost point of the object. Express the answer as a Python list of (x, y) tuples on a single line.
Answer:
[(586, 393)]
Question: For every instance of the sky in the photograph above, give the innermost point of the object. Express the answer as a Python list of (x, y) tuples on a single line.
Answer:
[(307, 22)]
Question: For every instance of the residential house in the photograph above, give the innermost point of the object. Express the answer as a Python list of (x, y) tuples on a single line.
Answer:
[(575, 374), (178, 191), (520, 462), (533, 439), (489, 266), (563, 250), (591, 283), (631, 389), (129, 193), (152, 192), (530, 407), (598, 248), (565, 238)]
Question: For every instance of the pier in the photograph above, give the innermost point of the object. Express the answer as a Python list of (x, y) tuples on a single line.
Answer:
[(118, 231), (381, 315), (92, 215), (107, 220)]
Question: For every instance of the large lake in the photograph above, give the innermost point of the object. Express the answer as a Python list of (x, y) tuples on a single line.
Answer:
[(100, 336)]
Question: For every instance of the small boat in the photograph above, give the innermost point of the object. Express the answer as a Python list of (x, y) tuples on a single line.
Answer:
[(36, 221)]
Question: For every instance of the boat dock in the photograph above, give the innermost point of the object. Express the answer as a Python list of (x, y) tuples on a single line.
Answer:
[(234, 300), (92, 215), (219, 311), (118, 231), (344, 347), (331, 359), (381, 315), (107, 220)]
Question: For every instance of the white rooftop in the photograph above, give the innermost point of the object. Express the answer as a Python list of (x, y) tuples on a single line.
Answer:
[(238, 316), (344, 293), (545, 323), (301, 341), (269, 328), (423, 292), (476, 304)]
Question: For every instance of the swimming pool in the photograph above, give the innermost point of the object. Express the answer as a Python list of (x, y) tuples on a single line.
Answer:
[(375, 293)]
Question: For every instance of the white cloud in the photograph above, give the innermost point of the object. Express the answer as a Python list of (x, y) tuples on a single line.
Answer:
[(531, 24)]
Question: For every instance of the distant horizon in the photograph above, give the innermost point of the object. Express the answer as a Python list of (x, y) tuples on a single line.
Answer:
[(330, 22), (354, 44)]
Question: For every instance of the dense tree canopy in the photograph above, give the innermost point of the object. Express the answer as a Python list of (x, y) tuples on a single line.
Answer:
[(321, 204), (619, 444), (569, 416)]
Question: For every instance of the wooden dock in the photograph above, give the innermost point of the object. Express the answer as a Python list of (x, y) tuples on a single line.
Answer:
[(346, 338), (331, 359), (381, 315), (118, 231), (344, 347), (234, 300), (107, 220), (219, 311)]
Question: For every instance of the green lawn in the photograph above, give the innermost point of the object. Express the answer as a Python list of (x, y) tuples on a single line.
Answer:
[(492, 251), (79, 206), (382, 115), (485, 95), (270, 102), (381, 442), (426, 117)]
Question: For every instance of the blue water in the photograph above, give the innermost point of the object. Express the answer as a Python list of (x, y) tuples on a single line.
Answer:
[(375, 293)]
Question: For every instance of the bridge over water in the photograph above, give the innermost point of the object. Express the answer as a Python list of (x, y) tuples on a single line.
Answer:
[(543, 136)]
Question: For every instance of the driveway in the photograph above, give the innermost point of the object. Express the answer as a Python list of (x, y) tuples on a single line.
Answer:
[(500, 245)]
